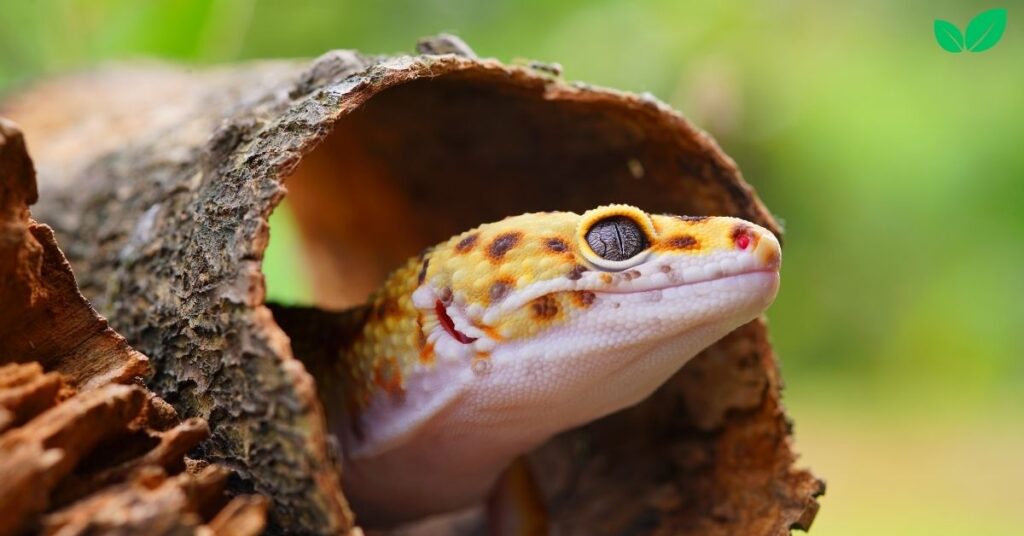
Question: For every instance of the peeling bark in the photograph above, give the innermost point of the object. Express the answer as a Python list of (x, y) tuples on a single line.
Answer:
[(166, 221), (83, 448)]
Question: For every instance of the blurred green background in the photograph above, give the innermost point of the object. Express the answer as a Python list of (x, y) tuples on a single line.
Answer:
[(897, 168)]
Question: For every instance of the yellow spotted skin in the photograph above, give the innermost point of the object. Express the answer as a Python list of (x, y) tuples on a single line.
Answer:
[(485, 264), (390, 336), (479, 269)]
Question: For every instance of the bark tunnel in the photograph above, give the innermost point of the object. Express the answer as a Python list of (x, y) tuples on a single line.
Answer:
[(165, 220)]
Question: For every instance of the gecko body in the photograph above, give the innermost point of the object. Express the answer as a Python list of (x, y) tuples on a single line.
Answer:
[(490, 343)]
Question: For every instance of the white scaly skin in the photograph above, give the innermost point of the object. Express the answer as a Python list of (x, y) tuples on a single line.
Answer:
[(604, 337)]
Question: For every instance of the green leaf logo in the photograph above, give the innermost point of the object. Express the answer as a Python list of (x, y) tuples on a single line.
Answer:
[(983, 32), (949, 36)]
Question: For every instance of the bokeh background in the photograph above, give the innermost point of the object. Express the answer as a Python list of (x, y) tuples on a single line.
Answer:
[(896, 167)]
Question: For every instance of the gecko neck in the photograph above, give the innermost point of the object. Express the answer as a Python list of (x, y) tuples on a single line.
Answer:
[(467, 445)]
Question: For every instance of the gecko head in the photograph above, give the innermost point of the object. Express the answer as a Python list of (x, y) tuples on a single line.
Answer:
[(547, 292)]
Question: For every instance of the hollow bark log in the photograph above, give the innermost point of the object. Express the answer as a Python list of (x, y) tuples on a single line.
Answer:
[(161, 181), (83, 448)]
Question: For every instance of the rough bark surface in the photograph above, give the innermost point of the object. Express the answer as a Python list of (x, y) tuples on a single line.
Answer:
[(83, 448), (164, 213)]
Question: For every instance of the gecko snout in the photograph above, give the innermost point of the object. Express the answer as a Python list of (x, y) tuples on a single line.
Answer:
[(760, 242)]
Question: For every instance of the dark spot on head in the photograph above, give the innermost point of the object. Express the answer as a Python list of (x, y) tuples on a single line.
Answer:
[(446, 296), (502, 243), (490, 331), (467, 243), (500, 289), (607, 278), (630, 275), (683, 242), (577, 272), (665, 268), (556, 245), (423, 271), (616, 238), (690, 218), (384, 308), (544, 307), (584, 298)]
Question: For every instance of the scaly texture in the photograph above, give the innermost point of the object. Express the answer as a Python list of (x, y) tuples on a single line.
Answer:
[(480, 268)]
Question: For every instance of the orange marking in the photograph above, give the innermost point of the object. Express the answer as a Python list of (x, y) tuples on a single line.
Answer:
[(684, 242), (584, 298), (544, 307), (490, 331), (390, 380), (427, 354)]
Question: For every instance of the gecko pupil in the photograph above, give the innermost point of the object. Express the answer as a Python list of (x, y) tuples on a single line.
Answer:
[(616, 238)]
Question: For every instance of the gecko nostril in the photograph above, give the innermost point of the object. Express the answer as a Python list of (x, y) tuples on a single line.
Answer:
[(741, 239)]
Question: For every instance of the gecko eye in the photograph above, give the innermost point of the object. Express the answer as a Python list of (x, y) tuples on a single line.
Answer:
[(617, 238)]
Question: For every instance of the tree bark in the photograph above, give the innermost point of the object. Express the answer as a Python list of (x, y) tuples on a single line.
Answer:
[(160, 182), (84, 448)]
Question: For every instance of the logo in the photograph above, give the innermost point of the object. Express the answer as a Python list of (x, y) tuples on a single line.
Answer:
[(983, 32)]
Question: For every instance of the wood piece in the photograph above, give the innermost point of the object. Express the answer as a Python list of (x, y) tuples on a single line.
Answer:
[(25, 391), (243, 516), (44, 317), (168, 454), (151, 503), (106, 445)]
